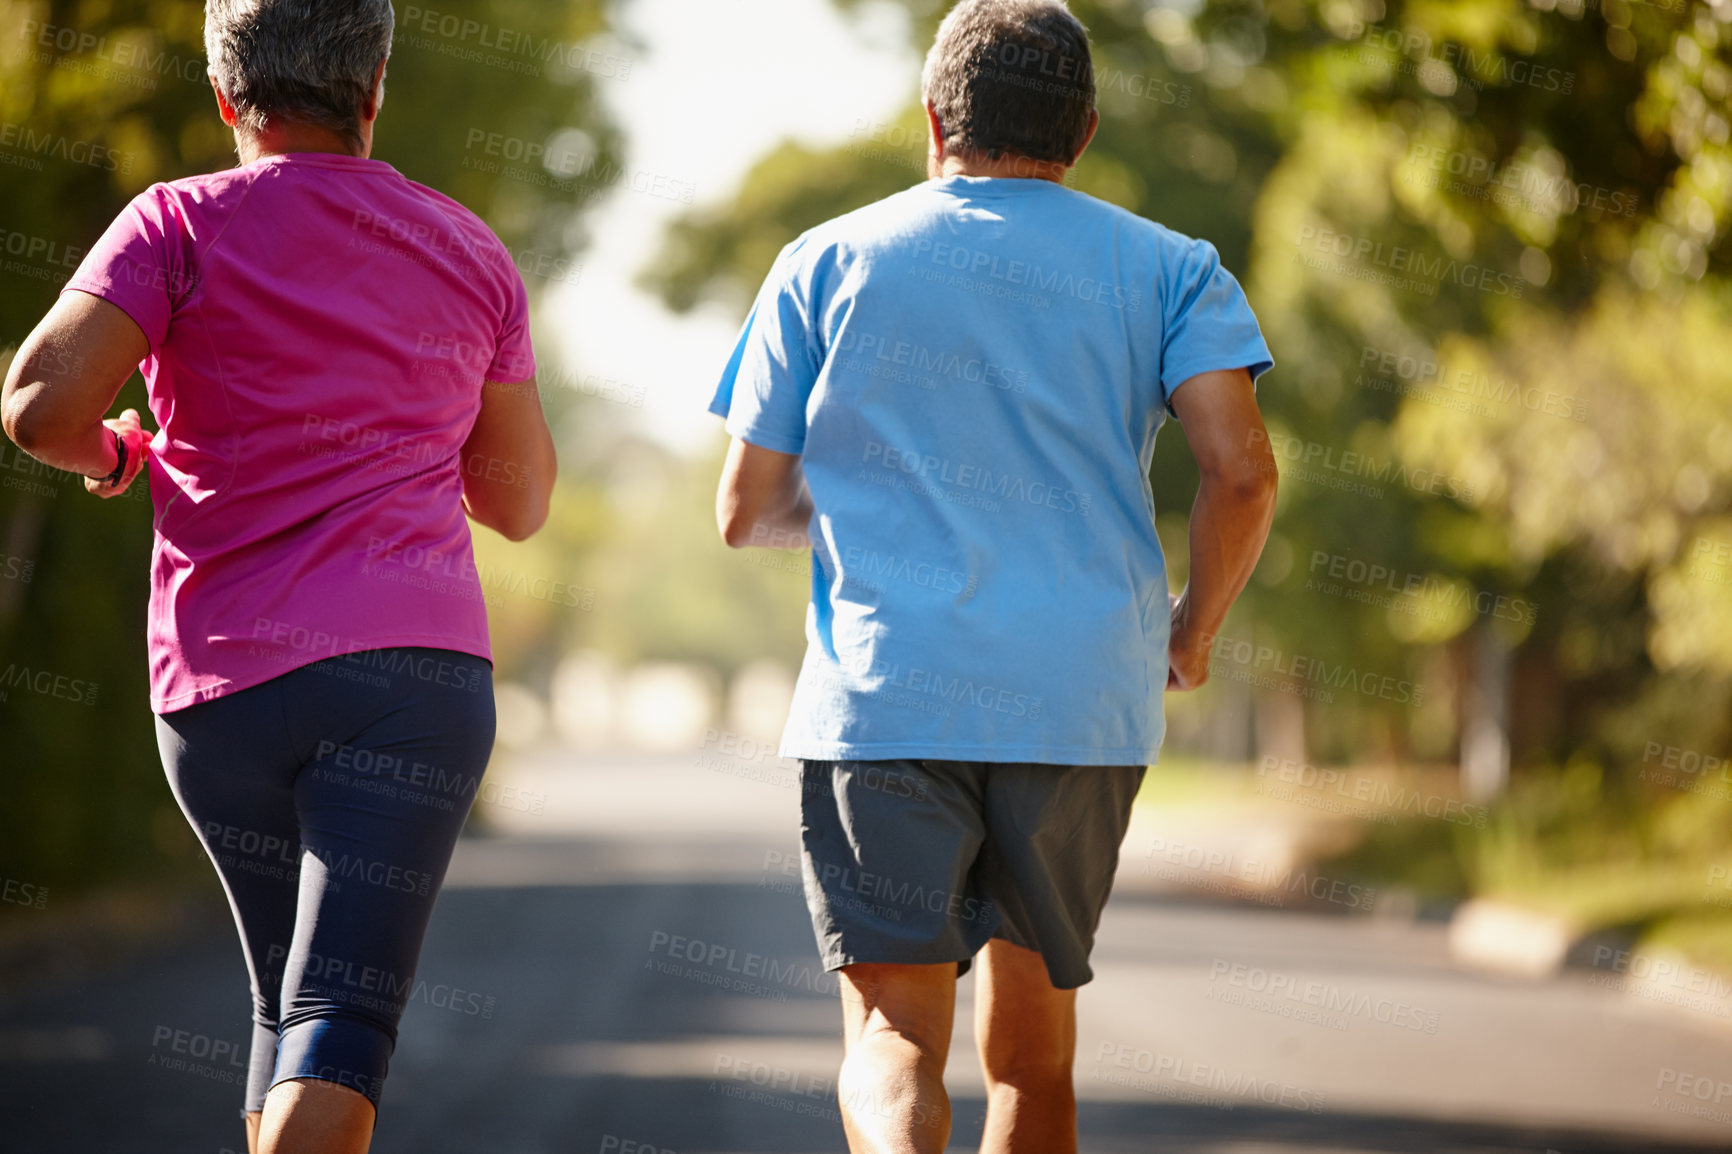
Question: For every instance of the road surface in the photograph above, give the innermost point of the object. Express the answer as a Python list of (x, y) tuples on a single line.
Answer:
[(624, 964)]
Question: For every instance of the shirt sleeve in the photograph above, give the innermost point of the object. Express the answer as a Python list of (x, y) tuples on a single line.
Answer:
[(142, 265), (513, 355), (1208, 324), (774, 365)]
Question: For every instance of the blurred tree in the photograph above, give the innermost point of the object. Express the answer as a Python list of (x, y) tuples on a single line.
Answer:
[(492, 101)]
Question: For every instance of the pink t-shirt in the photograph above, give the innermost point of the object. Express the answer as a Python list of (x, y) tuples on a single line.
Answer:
[(320, 327)]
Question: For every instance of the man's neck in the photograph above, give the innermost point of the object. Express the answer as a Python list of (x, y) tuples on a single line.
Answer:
[(1009, 166)]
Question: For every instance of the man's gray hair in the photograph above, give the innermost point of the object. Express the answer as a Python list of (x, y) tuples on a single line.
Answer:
[(310, 61), (1011, 76)]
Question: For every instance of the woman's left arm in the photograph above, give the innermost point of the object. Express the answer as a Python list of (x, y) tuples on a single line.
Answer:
[(62, 381)]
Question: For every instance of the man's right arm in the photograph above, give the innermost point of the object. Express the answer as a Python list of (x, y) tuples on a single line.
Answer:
[(1230, 520)]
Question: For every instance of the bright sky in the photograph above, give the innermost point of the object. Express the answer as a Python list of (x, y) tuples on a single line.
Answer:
[(715, 85)]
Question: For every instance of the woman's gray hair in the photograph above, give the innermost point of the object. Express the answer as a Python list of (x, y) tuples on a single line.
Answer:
[(310, 61)]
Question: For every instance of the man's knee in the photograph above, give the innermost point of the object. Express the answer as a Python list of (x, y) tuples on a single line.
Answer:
[(1030, 1068)]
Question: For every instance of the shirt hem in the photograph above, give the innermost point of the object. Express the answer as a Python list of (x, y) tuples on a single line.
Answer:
[(1172, 379), (1020, 754), (770, 439), (469, 645)]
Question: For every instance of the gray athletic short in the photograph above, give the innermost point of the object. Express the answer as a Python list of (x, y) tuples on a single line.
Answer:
[(920, 861)]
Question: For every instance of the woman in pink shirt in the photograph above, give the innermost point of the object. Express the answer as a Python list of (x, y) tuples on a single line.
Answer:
[(339, 365)]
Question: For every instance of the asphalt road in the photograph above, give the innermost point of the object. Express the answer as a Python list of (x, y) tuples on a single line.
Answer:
[(625, 966)]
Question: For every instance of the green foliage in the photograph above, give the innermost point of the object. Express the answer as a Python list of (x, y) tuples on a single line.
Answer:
[(85, 124), (671, 588), (1529, 198)]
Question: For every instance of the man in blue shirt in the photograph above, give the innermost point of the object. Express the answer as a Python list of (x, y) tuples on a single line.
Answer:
[(952, 396)]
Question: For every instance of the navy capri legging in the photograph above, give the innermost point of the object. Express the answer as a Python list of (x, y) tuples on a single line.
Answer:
[(330, 799)]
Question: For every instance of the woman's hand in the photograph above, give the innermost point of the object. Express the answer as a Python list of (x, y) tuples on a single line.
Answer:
[(137, 442)]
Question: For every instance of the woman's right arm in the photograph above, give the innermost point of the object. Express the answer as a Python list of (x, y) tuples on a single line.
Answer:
[(509, 464)]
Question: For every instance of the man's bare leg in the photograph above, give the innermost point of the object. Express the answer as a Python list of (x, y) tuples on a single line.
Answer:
[(896, 1024), (1026, 1031)]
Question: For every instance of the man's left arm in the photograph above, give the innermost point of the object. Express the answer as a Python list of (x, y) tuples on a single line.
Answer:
[(763, 499), (1230, 520)]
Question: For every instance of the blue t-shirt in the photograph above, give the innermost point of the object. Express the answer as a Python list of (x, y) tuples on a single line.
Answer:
[(973, 372)]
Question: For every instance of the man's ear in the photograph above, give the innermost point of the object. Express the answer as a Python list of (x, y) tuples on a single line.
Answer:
[(1094, 123), (224, 108), (934, 132)]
